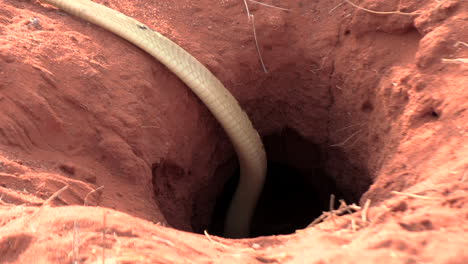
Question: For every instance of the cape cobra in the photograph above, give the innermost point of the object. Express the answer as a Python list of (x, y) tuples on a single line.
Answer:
[(221, 103)]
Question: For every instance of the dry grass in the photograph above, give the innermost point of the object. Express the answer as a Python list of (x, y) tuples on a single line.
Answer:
[(415, 196), (85, 203), (55, 195), (208, 236), (76, 230), (256, 44), (104, 216), (343, 143), (75, 243), (461, 43), (364, 211), (382, 12), (251, 19), (455, 61), (162, 240), (272, 6), (347, 141), (342, 209)]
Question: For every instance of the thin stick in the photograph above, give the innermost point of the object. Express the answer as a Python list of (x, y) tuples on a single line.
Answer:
[(337, 212), (345, 206), (223, 245), (318, 220), (346, 127), (256, 44), (277, 7), (382, 12), (461, 43), (76, 226), (364, 211), (354, 142), (103, 237), (93, 191), (415, 196), (353, 225), (165, 241), (57, 193), (119, 244), (455, 61), (247, 9), (465, 174), (76, 242), (213, 241), (346, 140), (340, 4)]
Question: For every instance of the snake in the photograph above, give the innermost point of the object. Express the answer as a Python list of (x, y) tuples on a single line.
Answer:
[(220, 102)]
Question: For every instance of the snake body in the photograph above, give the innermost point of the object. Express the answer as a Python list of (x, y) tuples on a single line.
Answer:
[(221, 103)]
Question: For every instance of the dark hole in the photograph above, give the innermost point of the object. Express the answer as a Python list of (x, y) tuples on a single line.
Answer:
[(297, 188), (430, 114), (367, 106), (347, 32), (289, 201), (302, 175)]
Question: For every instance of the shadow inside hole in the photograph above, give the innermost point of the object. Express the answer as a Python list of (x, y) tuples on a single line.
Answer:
[(288, 201), (297, 189)]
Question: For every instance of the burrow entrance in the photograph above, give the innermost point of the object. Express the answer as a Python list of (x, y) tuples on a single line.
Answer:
[(300, 180), (297, 188)]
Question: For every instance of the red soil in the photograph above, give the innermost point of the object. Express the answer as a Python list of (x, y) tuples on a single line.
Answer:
[(83, 108)]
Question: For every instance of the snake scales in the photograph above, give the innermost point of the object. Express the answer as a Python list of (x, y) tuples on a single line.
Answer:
[(207, 87)]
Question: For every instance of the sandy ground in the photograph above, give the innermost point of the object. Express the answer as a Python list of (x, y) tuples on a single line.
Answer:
[(383, 96)]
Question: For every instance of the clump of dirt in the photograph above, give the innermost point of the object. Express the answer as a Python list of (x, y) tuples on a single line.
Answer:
[(365, 105)]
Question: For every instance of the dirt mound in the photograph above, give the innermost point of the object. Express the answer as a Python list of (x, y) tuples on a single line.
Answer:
[(106, 155)]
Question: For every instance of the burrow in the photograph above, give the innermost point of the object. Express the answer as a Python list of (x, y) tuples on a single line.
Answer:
[(324, 120), (298, 186)]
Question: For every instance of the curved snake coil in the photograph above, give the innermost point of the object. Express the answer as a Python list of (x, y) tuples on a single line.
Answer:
[(207, 87)]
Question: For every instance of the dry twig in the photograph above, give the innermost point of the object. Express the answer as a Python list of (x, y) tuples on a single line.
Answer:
[(341, 144), (344, 208), (213, 241), (340, 4), (165, 241), (57, 193), (353, 225), (460, 43), (277, 7), (85, 203), (75, 242), (465, 176), (364, 217), (247, 10), (455, 61), (382, 12), (76, 227), (104, 237), (256, 44), (415, 196)]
